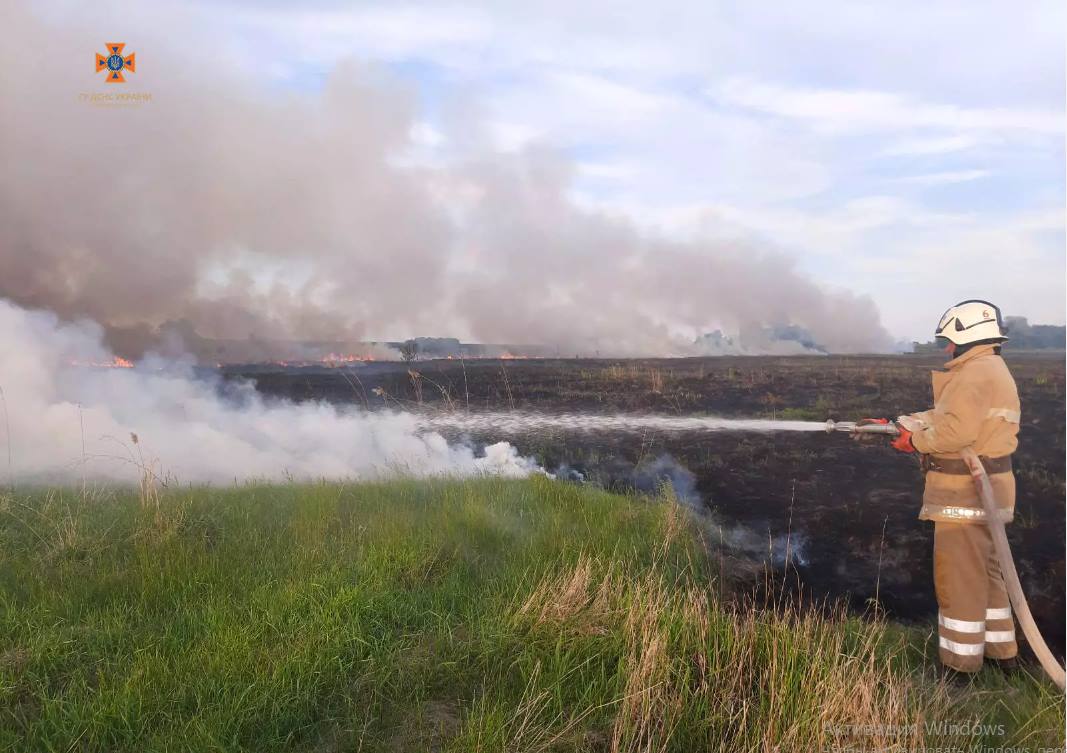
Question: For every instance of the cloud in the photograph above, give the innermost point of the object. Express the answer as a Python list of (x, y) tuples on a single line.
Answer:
[(604, 95), (955, 176), (843, 110), (1005, 262), (614, 171), (934, 146), (323, 36)]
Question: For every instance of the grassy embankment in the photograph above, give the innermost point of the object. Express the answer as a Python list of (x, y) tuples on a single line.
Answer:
[(481, 615)]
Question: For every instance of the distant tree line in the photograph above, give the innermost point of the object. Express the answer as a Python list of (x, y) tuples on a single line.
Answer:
[(1022, 336)]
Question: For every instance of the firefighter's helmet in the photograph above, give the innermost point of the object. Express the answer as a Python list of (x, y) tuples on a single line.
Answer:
[(972, 321)]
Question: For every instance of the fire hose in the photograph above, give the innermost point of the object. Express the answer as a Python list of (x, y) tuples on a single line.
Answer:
[(1000, 544)]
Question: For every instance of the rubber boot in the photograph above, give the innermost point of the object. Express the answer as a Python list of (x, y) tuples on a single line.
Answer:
[(1007, 666), (957, 679)]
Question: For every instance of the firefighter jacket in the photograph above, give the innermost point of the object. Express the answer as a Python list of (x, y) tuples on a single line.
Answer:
[(976, 404)]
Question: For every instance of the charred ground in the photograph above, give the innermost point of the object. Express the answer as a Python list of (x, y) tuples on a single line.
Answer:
[(850, 511)]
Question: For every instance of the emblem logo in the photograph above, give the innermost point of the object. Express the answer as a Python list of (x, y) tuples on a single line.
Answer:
[(114, 63)]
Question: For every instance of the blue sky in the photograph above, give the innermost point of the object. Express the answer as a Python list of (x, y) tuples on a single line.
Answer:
[(911, 151)]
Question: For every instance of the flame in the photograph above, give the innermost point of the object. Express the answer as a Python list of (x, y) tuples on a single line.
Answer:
[(329, 360), (116, 362), (344, 358)]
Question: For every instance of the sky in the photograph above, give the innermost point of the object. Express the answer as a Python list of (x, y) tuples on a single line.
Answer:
[(912, 152)]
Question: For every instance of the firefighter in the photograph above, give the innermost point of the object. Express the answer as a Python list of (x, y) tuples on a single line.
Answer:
[(976, 404)]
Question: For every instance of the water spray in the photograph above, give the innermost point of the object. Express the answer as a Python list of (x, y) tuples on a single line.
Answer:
[(520, 422), (524, 421)]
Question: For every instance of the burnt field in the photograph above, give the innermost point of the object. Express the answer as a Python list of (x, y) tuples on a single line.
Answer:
[(845, 515)]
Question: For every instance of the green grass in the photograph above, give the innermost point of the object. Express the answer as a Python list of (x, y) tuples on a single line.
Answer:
[(483, 615)]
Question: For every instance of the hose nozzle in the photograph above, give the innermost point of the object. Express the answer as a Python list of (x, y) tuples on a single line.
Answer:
[(852, 427)]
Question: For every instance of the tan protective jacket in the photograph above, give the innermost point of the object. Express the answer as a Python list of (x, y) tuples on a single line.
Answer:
[(976, 404)]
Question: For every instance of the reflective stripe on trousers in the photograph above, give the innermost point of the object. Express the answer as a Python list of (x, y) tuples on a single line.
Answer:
[(961, 649), (999, 636), (961, 626)]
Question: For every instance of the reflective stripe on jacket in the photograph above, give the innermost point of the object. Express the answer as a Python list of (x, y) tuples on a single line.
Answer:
[(976, 404)]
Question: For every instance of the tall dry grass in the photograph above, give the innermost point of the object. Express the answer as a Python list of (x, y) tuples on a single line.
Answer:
[(696, 674)]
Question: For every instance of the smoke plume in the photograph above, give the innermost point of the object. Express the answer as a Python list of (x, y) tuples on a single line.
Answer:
[(288, 214), (749, 548), (62, 420)]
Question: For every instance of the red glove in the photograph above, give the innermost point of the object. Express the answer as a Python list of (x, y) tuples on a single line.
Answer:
[(870, 437), (902, 442)]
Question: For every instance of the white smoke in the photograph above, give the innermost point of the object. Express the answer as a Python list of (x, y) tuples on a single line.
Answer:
[(62, 422)]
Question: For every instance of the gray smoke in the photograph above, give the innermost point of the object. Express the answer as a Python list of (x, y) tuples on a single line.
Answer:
[(295, 215), (749, 549)]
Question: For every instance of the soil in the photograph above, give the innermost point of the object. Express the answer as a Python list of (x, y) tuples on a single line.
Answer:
[(847, 512)]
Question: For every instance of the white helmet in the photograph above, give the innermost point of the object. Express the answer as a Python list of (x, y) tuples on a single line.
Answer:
[(971, 321)]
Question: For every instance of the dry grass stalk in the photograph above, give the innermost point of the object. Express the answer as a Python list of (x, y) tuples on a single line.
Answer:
[(651, 704), (574, 597)]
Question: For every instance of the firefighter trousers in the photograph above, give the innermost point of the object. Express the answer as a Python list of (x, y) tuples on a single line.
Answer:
[(974, 615)]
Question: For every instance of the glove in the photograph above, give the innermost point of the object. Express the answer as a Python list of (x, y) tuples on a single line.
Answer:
[(870, 437), (902, 442)]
